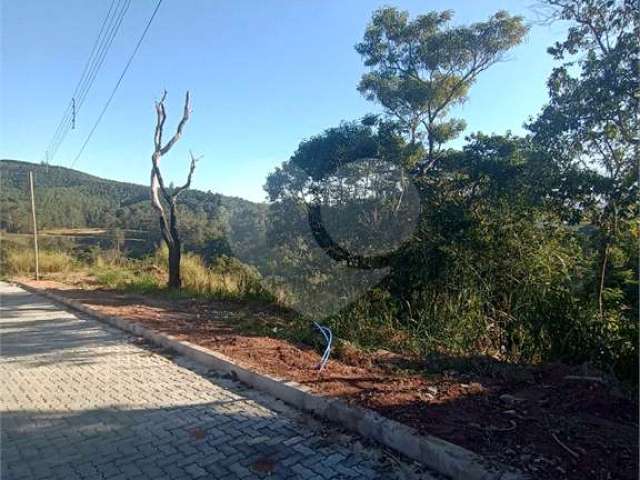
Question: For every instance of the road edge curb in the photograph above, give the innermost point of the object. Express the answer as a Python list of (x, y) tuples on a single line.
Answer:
[(440, 455)]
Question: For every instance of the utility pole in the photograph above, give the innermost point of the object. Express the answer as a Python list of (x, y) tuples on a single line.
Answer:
[(35, 226)]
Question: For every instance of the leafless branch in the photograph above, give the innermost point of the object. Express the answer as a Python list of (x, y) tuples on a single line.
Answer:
[(157, 182), (187, 184), (185, 117), (162, 116)]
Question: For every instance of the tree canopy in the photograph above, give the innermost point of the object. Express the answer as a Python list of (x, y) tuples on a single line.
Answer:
[(523, 244), (420, 68)]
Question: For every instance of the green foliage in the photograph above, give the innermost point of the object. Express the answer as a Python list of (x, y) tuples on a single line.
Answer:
[(420, 68), (590, 127), (226, 277), (524, 248), (126, 277), (67, 198), (490, 268)]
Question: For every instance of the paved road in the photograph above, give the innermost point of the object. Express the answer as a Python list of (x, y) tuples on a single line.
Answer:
[(81, 400)]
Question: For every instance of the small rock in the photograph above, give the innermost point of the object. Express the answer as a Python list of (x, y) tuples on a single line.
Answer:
[(432, 390)]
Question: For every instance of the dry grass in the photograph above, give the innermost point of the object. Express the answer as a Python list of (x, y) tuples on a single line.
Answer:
[(21, 262), (226, 278)]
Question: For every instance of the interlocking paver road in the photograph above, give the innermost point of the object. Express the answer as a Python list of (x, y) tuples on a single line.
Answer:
[(81, 400)]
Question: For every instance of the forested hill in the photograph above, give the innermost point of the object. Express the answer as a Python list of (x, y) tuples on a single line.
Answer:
[(67, 198)]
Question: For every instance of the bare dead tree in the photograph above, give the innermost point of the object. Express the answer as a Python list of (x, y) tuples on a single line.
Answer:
[(160, 193)]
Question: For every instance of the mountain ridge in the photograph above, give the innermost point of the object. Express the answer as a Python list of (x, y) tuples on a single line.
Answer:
[(40, 166), (69, 198)]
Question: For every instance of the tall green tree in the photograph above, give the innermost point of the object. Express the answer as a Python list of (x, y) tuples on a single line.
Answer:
[(421, 68), (591, 121)]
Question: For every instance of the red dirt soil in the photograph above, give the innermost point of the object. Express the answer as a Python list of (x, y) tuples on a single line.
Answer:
[(532, 418)]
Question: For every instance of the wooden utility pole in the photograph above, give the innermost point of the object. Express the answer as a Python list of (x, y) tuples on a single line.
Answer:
[(35, 226)]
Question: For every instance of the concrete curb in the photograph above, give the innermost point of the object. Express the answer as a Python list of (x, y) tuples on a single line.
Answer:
[(440, 455)]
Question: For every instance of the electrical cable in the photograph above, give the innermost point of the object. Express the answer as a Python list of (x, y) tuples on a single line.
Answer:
[(117, 85), (108, 30)]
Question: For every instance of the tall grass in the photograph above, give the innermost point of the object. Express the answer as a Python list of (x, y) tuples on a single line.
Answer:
[(226, 277), (128, 278), (15, 260)]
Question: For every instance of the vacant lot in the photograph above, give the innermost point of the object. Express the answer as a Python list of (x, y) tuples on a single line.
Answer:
[(552, 421)]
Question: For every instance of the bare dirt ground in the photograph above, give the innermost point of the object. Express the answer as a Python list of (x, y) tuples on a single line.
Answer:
[(551, 421)]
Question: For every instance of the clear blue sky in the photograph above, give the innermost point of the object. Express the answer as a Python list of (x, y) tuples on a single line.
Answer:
[(264, 74)]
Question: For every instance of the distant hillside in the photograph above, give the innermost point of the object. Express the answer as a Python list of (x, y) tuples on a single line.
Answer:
[(67, 198)]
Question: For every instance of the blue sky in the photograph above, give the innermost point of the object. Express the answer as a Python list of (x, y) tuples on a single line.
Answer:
[(264, 74)]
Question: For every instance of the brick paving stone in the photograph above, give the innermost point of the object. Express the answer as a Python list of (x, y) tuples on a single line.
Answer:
[(83, 400)]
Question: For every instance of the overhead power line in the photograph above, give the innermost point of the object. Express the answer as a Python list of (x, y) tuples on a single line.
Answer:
[(117, 85), (99, 59), (108, 31), (101, 46)]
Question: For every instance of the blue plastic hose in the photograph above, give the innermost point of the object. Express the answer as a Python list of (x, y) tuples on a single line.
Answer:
[(328, 336)]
